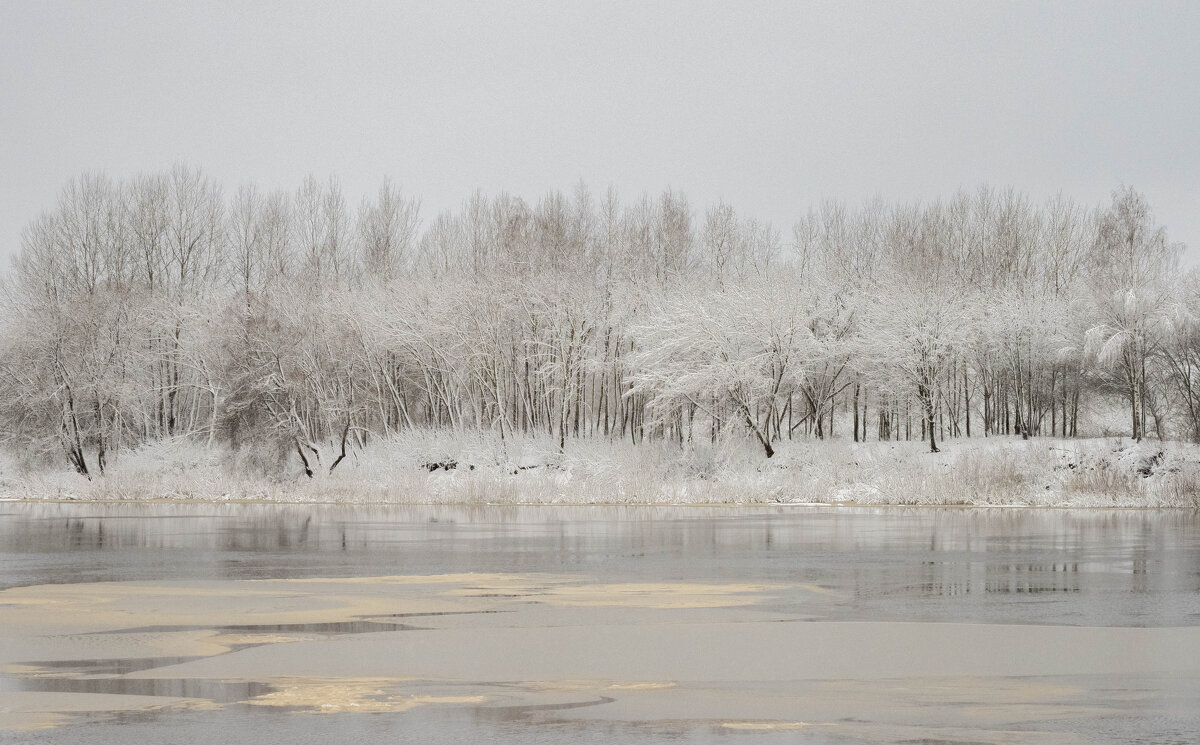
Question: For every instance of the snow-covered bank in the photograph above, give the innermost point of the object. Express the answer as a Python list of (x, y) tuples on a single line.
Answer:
[(438, 469)]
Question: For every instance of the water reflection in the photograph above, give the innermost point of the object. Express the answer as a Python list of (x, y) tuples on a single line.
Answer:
[(950, 579), (115, 666), (1117, 567), (217, 691)]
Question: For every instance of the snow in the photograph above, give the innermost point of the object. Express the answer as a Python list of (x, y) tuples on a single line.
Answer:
[(995, 471)]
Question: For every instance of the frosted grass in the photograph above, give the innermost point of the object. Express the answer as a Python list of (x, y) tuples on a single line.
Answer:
[(1043, 472)]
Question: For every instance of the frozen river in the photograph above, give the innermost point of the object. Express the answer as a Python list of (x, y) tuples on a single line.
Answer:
[(161, 623)]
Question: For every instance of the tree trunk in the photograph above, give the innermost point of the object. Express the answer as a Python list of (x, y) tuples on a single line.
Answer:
[(342, 455), (925, 391), (753, 425), (300, 451), (856, 412)]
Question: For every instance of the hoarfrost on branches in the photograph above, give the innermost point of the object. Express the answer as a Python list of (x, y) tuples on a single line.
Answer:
[(296, 331)]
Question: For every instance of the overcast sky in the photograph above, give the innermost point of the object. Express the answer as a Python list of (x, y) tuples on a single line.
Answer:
[(771, 107)]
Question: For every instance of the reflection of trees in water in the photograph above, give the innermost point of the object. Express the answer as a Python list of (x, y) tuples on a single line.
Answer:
[(1033, 578), (989, 574), (220, 691), (866, 553)]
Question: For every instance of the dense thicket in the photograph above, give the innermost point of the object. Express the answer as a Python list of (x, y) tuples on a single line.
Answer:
[(161, 306)]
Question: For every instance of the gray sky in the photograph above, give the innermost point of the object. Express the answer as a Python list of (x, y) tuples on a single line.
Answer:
[(769, 106)]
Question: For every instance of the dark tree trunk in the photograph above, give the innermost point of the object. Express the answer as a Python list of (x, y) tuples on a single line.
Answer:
[(342, 455), (856, 412), (926, 394), (300, 451)]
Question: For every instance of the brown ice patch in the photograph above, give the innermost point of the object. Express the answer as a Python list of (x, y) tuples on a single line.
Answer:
[(120, 620), (771, 726), (657, 595), (134, 606), (115, 605), (77, 621), (461, 578), (562, 590), (141, 598), (361, 695), (239, 639), (29, 671), (597, 685), (644, 686)]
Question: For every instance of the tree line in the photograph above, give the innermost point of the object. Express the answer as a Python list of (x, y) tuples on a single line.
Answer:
[(163, 306)]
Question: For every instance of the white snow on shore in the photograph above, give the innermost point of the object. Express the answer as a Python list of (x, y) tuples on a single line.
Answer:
[(477, 469)]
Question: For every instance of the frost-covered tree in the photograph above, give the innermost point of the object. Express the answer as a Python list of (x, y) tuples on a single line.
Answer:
[(162, 306), (1130, 261), (733, 354), (914, 337)]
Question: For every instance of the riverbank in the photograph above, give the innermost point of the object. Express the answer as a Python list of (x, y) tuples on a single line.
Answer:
[(476, 469)]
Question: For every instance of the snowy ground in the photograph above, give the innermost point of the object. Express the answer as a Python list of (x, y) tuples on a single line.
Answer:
[(438, 468)]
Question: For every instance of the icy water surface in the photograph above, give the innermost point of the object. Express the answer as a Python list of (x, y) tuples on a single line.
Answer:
[(317, 624)]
